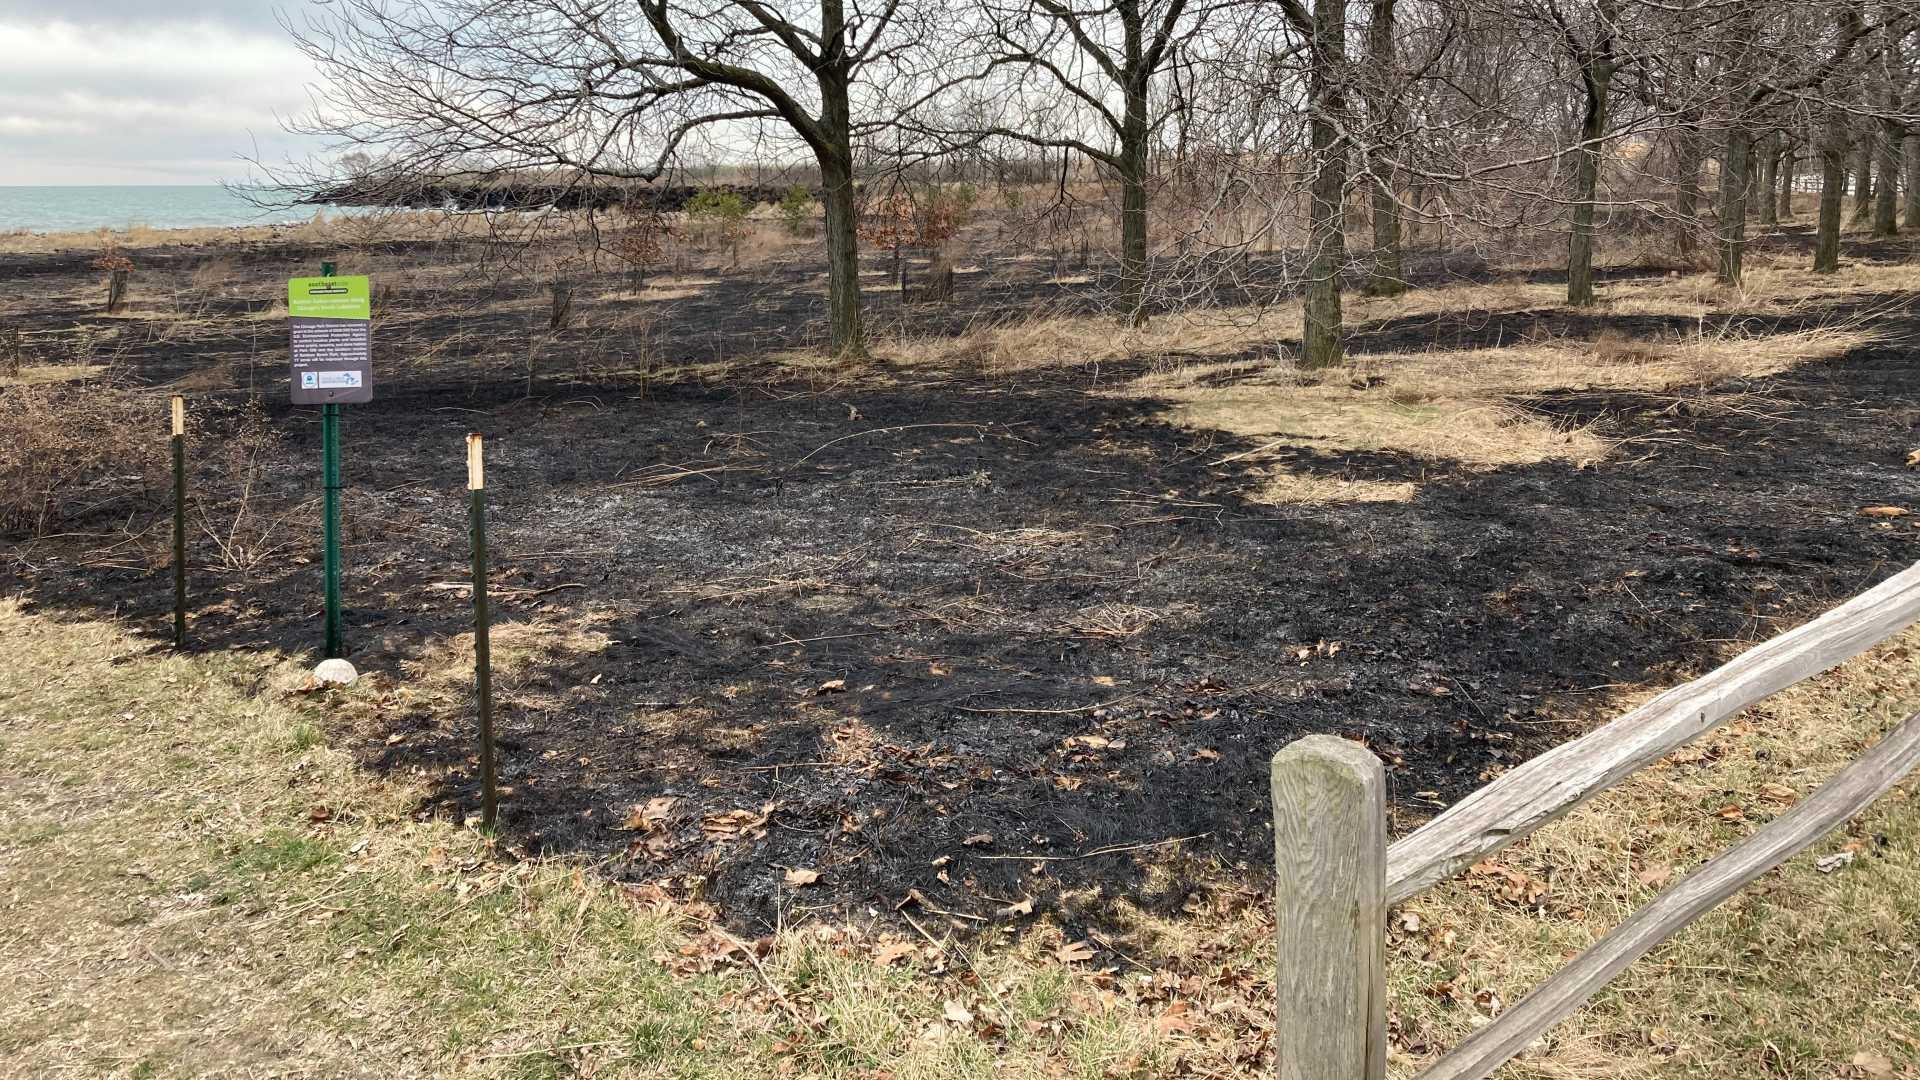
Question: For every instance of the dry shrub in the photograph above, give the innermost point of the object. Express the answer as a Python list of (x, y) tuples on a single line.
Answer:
[(73, 449), (76, 451), (212, 276), (233, 448)]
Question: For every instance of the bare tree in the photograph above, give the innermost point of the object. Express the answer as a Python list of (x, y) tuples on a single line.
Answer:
[(597, 90), (1763, 61), (1079, 75)]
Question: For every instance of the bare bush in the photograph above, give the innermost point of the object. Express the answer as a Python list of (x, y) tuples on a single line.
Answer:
[(72, 450), (231, 490)]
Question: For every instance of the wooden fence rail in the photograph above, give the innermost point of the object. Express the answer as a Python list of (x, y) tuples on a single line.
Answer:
[(1336, 877), (1542, 789), (1858, 785)]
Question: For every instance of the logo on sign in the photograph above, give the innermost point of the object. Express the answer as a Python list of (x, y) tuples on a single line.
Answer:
[(309, 380)]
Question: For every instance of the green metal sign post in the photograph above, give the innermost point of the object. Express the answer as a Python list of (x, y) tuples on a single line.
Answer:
[(330, 323), (330, 472)]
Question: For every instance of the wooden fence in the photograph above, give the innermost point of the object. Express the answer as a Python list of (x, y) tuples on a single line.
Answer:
[(1337, 876)]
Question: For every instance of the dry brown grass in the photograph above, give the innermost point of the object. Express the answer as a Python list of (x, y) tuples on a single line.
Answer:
[(667, 287), (1794, 977), (322, 227), (1466, 406), (1458, 406), (44, 374), (1771, 286), (23, 241), (1330, 415), (1282, 485)]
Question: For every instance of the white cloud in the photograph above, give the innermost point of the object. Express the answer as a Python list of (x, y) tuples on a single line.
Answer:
[(167, 102)]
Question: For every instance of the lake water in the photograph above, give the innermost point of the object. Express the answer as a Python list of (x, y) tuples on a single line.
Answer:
[(81, 209)]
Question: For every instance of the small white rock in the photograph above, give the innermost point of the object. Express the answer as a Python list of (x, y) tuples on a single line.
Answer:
[(338, 672)]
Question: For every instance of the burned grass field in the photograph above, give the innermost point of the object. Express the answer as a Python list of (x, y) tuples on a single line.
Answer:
[(1011, 618)]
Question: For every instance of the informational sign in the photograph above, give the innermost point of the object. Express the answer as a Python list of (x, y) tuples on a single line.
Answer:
[(329, 320)]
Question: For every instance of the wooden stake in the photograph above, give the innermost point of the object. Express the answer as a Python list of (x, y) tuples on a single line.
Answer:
[(1330, 911), (482, 650), (179, 410)]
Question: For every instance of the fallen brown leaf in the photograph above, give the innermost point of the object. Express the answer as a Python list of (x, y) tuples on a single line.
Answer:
[(1175, 1020), (646, 817), (1073, 952), (1873, 1066)]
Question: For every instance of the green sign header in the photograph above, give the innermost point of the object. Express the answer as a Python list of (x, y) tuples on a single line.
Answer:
[(328, 298)]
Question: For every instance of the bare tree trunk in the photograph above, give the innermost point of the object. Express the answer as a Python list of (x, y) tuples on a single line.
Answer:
[(843, 254), (940, 274), (116, 290), (834, 152), (1789, 161), (1833, 185), (1133, 208), (1863, 176), (1886, 204), (1733, 202), (1686, 195), (1763, 181), (1326, 220), (1886, 196), (1388, 278), (1911, 145), (1596, 75)]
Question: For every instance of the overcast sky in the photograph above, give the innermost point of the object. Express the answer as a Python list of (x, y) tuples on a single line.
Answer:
[(139, 92)]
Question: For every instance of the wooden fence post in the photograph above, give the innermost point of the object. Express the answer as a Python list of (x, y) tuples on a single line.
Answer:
[(179, 411), (482, 624), (1330, 915)]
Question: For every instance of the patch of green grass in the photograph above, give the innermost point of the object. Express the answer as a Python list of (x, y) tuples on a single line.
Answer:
[(282, 853), (305, 735)]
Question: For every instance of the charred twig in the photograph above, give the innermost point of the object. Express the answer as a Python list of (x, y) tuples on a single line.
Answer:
[(882, 431), (1054, 712), (1118, 849)]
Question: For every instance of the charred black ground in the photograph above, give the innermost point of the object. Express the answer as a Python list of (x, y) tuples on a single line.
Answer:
[(960, 633)]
